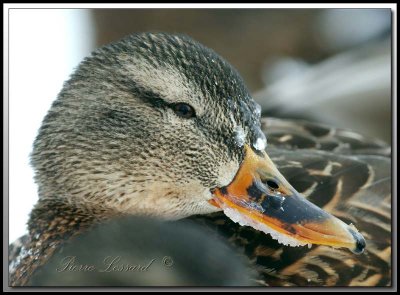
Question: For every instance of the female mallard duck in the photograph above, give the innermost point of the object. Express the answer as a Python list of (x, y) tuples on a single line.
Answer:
[(159, 125)]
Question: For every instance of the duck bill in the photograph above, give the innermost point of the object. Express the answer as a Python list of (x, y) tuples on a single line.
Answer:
[(259, 196)]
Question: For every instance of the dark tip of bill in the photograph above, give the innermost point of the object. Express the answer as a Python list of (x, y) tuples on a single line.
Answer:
[(360, 242)]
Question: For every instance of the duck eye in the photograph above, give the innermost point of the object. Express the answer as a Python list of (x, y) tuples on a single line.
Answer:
[(184, 110)]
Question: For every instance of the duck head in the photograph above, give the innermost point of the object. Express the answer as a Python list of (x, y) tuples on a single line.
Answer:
[(157, 124)]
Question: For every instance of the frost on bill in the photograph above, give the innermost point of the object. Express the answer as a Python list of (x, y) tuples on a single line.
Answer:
[(243, 220)]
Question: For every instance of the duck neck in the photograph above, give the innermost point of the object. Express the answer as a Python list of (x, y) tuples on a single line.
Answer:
[(61, 219), (52, 223)]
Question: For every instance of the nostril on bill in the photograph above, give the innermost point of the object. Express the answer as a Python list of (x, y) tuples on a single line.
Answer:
[(259, 193), (272, 184)]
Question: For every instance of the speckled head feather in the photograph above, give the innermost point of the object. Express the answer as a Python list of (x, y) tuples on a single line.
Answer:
[(113, 139)]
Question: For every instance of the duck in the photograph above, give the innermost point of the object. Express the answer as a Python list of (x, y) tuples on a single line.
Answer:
[(157, 125)]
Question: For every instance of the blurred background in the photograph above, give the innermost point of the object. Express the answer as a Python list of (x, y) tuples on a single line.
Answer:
[(327, 65)]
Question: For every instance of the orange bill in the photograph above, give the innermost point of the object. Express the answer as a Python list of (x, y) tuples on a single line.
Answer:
[(259, 196)]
